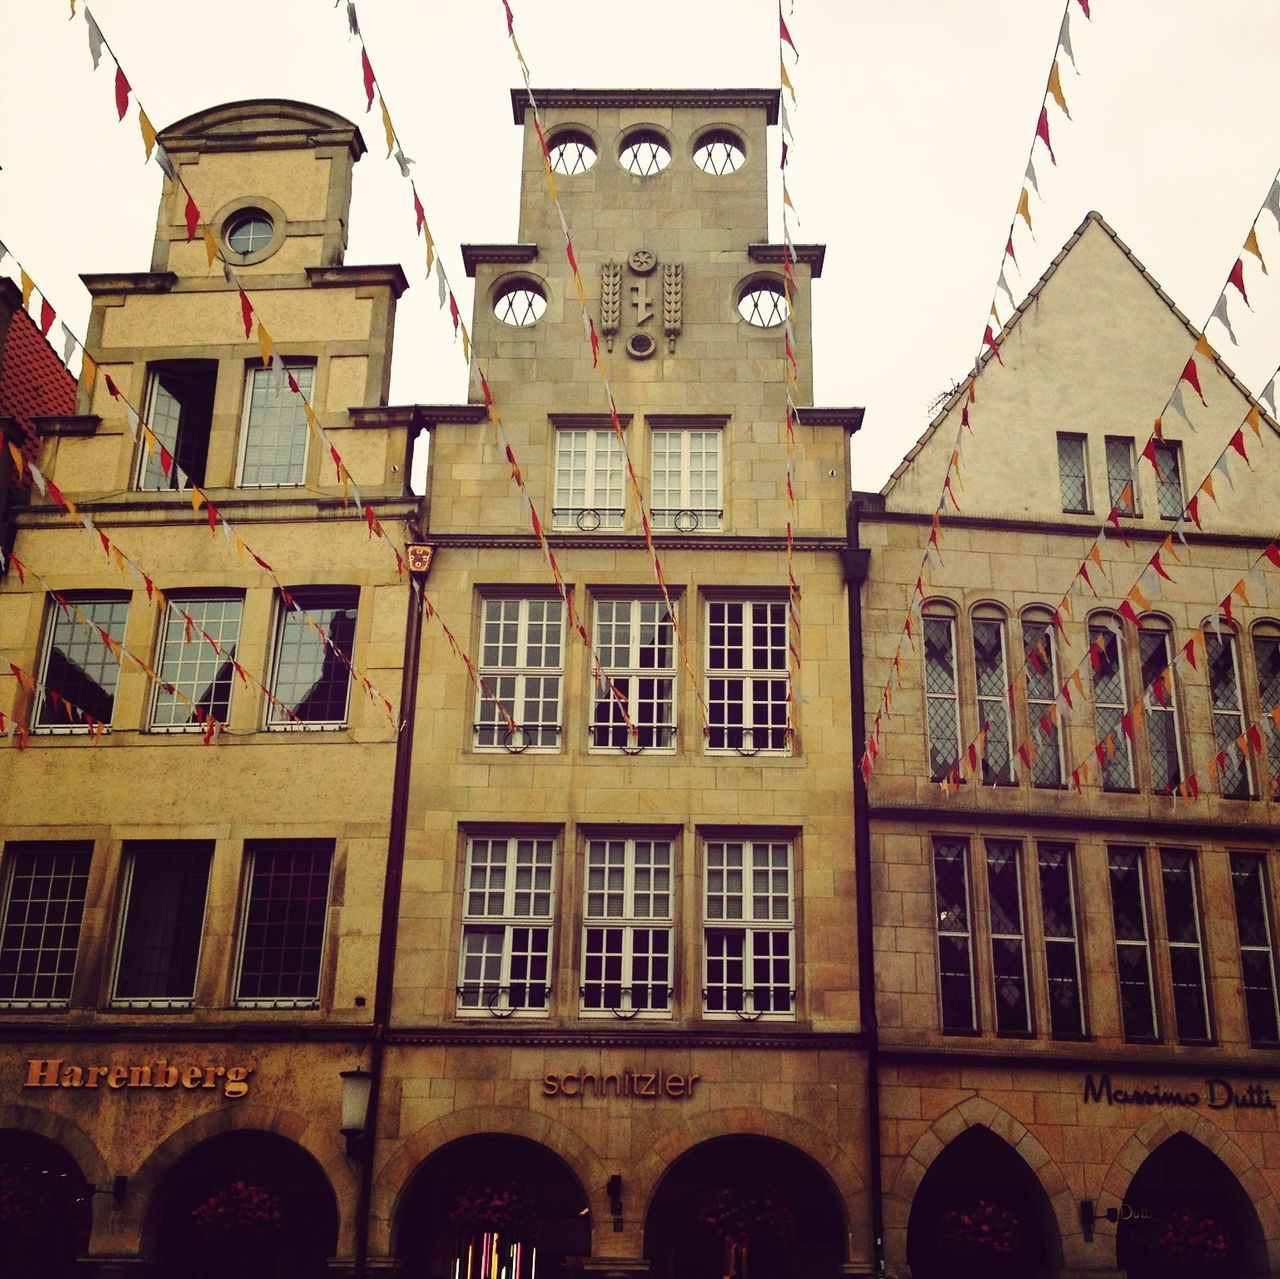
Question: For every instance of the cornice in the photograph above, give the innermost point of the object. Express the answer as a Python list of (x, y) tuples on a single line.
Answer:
[(130, 282), (850, 418), (67, 424), (777, 1039), (812, 255), (354, 277), (628, 542), (590, 99), (501, 254), (587, 419), (41, 1029), (1142, 1060)]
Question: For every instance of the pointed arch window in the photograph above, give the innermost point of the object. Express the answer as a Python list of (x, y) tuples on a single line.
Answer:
[(942, 694)]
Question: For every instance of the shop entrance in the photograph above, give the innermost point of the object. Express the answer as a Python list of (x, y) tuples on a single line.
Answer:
[(748, 1208), (249, 1205), (44, 1207), (489, 1206), (1186, 1217), (980, 1213)]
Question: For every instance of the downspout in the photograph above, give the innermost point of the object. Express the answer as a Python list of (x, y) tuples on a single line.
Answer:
[(856, 562), (385, 980)]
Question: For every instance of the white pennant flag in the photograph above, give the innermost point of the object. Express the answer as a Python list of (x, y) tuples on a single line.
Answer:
[(278, 371), (229, 275), (162, 159), (3, 250), (1222, 466), (95, 38), (131, 416), (1272, 202), (786, 123), (37, 478), (1220, 314), (1269, 396), (1002, 282), (1178, 405), (442, 285), (68, 344), (1031, 177), (403, 161), (1064, 39)]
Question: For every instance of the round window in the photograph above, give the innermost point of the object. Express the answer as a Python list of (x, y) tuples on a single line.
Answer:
[(249, 231), (764, 304), (571, 151), (644, 153), (719, 152), (520, 303)]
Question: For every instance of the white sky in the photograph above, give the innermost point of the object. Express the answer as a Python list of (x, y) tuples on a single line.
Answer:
[(912, 129)]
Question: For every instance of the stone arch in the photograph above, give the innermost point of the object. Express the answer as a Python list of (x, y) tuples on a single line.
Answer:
[(65, 1132)]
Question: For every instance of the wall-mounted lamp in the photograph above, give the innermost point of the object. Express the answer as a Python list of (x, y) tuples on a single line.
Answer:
[(355, 1109)]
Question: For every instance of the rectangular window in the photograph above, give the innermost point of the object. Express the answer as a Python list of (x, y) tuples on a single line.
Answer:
[(45, 888), (198, 641), (286, 913), (1120, 474), (588, 480), (274, 440), (942, 699), (166, 884), (955, 950), (635, 641), (1133, 952), (748, 679), (79, 671), (1111, 705), (1228, 715), (686, 480), (626, 927), (1160, 701), (1073, 474), (1061, 946), (992, 687), (179, 411), (505, 962), (1266, 657), (1008, 949), (1257, 950), (311, 676), (749, 930), (521, 661), (1186, 956), (1168, 467), (1042, 691)]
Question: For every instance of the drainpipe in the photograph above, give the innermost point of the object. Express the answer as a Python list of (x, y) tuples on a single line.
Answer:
[(419, 558), (856, 562)]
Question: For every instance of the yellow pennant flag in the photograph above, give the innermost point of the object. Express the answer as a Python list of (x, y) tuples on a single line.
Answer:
[(118, 556), (149, 439), (386, 125), (88, 370), (1078, 681), (148, 132), (1096, 556), (431, 247), (312, 421), (240, 548), (786, 81), (19, 464), (552, 188), (1251, 246), (786, 198), (1203, 348), (1138, 598), (197, 499), (210, 246), (466, 342), (1207, 487), (28, 286), (1253, 419), (264, 344), (1024, 208), (1055, 88)]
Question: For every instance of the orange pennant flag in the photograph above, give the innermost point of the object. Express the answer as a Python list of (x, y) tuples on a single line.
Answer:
[(1024, 208), (1253, 419), (386, 125), (1055, 88), (1095, 554), (1207, 487), (88, 370), (786, 81), (16, 455), (197, 499), (210, 246), (1251, 246), (1203, 348), (148, 132), (264, 344), (28, 286), (1139, 599)]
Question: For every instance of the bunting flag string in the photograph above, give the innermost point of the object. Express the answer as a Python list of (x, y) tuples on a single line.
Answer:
[(17, 726)]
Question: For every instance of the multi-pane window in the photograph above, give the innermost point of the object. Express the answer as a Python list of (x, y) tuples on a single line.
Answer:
[(686, 480), (955, 950), (1110, 706), (635, 640), (44, 892), (1257, 949), (1168, 467), (282, 933), (311, 673), (626, 926), (521, 660), (1133, 951), (749, 929), (1186, 955), (1228, 715), (166, 884), (274, 445), (1061, 945), (1161, 709), (992, 687), (1266, 657), (507, 904), (942, 702), (1008, 948), (1073, 473), (78, 665), (748, 678), (1120, 473), (588, 479), (1042, 691), (179, 413), (195, 676)]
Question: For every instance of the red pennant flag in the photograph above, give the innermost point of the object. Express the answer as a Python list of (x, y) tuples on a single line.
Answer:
[(1237, 443), (371, 519), (246, 314), (1272, 552), (1227, 607), (595, 345), (261, 563), (213, 516), (1042, 132), (1154, 561), (1057, 624), (112, 389), (511, 22), (973, 757), (367, 70), (1193, 785), (1084, 4), (293, 385), (418, 210), (1149, 452), (1126, 611), (964, 418), (785, 34), (1008, 249), (453, 311), (55, 494), (192, 216), (988, 339), (783, 163), (1075, 778), (106, 543), (1254, 735), (149, 584), (122, 92), (166, 461), (1193, 510), (486, 392), (1159, 691), (1237, 278), (1189, 652), (337, 461), (568, 252), (47, 314), (1126, 723), (1192, 374)]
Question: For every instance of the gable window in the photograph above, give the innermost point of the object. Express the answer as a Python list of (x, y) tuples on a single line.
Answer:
[(1119, 450), (748, 679), (273, 448), (992, 688), (685, 492), (505, 961), (1111, 706), (1008, 949), (521, 661), (1186, 956), (1266, 659), (588, 479), (311, 678), (635, 640), (195, 676), (955, 950), (626, 927), (1042, 691), (179, 411), (1257, 949), (1061, 945), (1160, 701), (749, 929), (1133, 951), (1228, 715), (166, 884), (1073, 474), (78, 671), (1168, 467), (942, 700), (44, 892)]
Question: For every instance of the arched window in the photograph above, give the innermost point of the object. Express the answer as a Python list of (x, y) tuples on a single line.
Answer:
[(991, 687), (1160, 701), (1041, 656), (1226, 700), (1111, 702), (941, 691), (1266, 662)]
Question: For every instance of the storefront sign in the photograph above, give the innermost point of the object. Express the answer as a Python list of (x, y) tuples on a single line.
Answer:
[(1218, 1094), (650, 1084), (54, 1072)]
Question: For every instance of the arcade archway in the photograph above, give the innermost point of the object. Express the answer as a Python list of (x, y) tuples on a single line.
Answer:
[(45, 1206)]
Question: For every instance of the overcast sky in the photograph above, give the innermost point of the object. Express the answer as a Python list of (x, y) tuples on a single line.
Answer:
[(911, 133)]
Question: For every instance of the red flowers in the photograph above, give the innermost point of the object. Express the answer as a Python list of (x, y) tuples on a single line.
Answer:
[(981, 1230), (1187, 1239), (741, 1215), (503, 1210), (237, 1210)]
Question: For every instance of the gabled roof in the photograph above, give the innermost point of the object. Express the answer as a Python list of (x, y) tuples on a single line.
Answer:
[(1096, 218), (33, 380), (261, 124)]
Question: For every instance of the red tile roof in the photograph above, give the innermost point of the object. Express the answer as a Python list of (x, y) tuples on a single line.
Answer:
[(33, 380)]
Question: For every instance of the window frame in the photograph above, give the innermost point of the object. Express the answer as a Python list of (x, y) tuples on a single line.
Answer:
[(1256, 861), (1267, 633), (45, 720), (960, 847), (1165, 855), (749, 677), (593, 514), (991, 707), (1124, 742), (1131, 478), (1226, 638), (685, 517), (949, 620), (1138, 855), (1073, 940), (1165, 483), (1086, 501), (253, 371), (273, 721), (181, 454), (629, 679), (175, 606), (1153, 710), (1011, 849), (521, 673), (1036, 632)]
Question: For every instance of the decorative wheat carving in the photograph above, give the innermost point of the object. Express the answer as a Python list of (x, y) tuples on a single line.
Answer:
[(610, 300), (672, 301)]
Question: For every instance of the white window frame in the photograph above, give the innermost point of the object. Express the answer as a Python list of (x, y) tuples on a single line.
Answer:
[(521, 673), (1082, 441), (1153, 708), (1257, 871), (1071, 939), (623, 878), (274, 720), (175, 607), (627, 679), (1034, 632), (76, 600), (505, 921), (1234, 714), (1013, 848), (930, 698), (1196, 945), (1143, 943), (252, 373), (773, 613), (685, 515), (1119, 709), (600, 479)]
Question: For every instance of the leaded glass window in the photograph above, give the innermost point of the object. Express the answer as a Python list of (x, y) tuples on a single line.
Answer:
[(588, 479), (992, 687), (78, 664), (1228, 715), (1257, 949), (1170, 500), (196, 676), (312, 674), (274, 449), (1008, 949), (1161, 710), (1119, 473), (1073, 474), (1061, 945), (1042, 691), (521, 664), (1133, 951), (635, 640), (748, 676), (1110, 706), (942, 700), (44, 892), (955, 949), (1266, 657), (1186, 956)]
